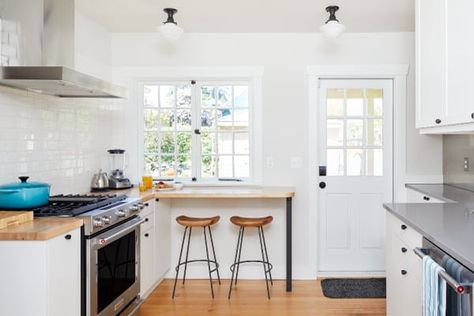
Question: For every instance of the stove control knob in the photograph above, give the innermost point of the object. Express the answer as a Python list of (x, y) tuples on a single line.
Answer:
[(141, 205), (135, 208), (106, 220), (120, 213), (98, 223)]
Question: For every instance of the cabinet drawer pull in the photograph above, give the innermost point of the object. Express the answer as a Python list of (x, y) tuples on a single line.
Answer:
[(146, 235), (426, 198), (403, 227), (404, 249), (146, 219), (68, 237), (472, 115), (146, 204), (404, 272), (438, 121)]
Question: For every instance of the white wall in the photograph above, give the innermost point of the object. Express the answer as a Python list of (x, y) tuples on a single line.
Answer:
[(92, 46), (285, 102), (62, 141)]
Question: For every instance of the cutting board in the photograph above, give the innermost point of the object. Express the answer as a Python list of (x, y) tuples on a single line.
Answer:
[(8, 218)]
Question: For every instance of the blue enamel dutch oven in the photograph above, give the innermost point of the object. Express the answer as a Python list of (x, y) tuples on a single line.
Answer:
[(23, 195)]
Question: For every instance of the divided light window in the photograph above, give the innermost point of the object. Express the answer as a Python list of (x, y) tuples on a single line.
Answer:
[(197, 130)]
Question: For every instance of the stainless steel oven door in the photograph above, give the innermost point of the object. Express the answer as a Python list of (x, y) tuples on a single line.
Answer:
[(113, 269)]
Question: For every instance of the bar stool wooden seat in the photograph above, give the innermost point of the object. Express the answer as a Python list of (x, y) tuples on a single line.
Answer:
[(189, 223), (250, 222)]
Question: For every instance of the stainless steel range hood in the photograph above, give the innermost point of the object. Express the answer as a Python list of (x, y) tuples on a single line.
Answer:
[(37, 51)]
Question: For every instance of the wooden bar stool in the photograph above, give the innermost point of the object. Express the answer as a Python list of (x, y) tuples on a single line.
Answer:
[(189, 223), (244, 222)]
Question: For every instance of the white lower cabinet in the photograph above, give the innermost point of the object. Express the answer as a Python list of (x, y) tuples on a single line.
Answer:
[(154, 245), (41, 278), (417, 197), (403, 269)]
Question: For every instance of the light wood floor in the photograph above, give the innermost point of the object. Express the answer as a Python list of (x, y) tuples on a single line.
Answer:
[(249, 298)]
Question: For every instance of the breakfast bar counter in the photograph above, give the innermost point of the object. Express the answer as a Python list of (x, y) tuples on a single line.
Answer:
[(234, 192)]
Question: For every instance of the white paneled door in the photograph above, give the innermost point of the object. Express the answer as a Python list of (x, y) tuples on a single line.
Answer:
[(355, 174)]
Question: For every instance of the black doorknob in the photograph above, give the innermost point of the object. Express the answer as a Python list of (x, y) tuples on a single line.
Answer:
[(404, 249), (322, 184), (403, 227), (438, 121), (403, 272)]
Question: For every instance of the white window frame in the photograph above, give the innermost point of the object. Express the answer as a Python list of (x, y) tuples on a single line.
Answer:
[(251, 76)]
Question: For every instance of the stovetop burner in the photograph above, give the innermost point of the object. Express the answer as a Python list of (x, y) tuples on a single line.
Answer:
[(73, 205)]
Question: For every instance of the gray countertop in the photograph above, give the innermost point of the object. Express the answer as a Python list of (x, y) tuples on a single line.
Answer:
[(453, 193), (448, 225)]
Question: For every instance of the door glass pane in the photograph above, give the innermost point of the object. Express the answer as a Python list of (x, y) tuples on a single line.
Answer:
[(374, 102), (224, 119), (241, 119), (335, 132), (225, 167), (208, 119), (374, 132), (374, 162), (223, 96), (355, 162), (167, 96), (335, 102), (242, 166), (335, 162), (355, 102), (150, 96), (355, 132)]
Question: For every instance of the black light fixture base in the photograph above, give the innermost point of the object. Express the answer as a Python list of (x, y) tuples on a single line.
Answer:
[(332, 9), (170, 12)]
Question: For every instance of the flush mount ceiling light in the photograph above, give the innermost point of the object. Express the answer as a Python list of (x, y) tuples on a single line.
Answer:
[(332, 28), (170, 29)]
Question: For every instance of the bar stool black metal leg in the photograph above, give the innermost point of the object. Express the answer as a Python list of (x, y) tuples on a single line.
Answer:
[(214, 253), (240, 253), (266, 255), (208, 261), (187, 254), (235, 260), (179, 262), (263, 260)]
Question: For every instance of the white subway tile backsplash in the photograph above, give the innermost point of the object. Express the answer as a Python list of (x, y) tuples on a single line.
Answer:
[(58, 141)]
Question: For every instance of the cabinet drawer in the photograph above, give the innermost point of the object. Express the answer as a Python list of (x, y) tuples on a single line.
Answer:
[(417, 197), (404, 232), (149, 208), (149, 221)]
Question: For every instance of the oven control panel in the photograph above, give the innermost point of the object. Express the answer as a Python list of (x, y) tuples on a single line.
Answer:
[(110, 215)]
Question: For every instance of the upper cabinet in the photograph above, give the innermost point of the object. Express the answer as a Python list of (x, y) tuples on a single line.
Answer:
[(445, 66)]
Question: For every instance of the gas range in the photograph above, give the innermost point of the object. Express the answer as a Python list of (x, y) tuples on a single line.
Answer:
[(99, 212)]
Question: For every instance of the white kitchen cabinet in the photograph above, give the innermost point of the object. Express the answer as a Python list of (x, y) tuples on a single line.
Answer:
[(403, 269), (417, 197), (155, 245), (41, 277), (445, 66)]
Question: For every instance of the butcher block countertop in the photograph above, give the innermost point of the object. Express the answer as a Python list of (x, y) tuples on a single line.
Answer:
[(40, 228), (199, 192)]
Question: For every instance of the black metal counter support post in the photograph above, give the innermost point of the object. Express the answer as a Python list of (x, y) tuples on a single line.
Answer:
[(288, 245)]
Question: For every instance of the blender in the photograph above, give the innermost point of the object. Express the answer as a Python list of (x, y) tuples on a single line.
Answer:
[(117, 180)]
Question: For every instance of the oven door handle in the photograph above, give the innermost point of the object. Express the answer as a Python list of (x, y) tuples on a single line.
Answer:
[(460, 288), (101, 242)]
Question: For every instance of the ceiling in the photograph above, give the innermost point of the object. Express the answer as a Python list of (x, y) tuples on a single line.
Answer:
[(211, 16)]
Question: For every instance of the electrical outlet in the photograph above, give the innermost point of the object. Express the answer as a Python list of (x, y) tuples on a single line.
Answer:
[(270, 162), (466, 164)]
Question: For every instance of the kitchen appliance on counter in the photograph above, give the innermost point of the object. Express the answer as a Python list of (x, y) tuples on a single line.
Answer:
[(459, 280), (111, 249), (117, 180), (100, 181)]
